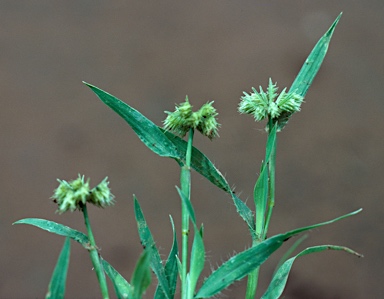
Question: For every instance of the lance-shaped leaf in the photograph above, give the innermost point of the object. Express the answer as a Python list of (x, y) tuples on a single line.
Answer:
[(171, 268), (260, 196), (57, 228), (279, 281), (122, 287), (245, 262), (149, 244), (260, 191), (145, 129), (56, 289), (309, 69), (312, 64), (166, 144), (141, 278), (206, 168)]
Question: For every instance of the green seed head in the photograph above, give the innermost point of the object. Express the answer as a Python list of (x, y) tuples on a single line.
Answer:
[(270, 104), (72, 195), (101, 195), (207, 123), (183, 119)]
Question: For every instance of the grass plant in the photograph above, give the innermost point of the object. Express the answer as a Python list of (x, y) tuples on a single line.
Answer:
[(186, 265)]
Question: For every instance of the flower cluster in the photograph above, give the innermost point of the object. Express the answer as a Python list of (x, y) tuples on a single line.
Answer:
[(74, 194), (278, 107), (183, 119)]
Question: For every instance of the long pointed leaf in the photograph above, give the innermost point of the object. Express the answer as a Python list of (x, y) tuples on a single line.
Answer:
[(239, 266), (312, 64), (289, 252), (122, 287), (57, 228), (171, 268), (167, 144), (149, 244), (147, 131), (246, 261), (309, 69), (206, 168), (56, 289), (141, 278), (260, 195), (279, 281)]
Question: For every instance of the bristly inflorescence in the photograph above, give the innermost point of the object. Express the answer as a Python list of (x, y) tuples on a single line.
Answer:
[(72, 195), (183, 119), (269, 104)]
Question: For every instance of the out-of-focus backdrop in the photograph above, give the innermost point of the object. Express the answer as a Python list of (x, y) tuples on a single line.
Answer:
[(152, 54)]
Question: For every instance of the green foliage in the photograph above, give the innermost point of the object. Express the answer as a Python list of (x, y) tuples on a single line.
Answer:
[(122, 287), (277, 285), (56, 288), (74, 195), (141, 278), (57, 228), (166, 144), (246, 261), (149, 245)]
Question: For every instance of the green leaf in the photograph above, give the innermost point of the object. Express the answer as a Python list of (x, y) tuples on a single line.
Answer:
[(206, 168), (246, 213), (290, 250), (122, 287), (57, 228), (279, 281), (149, 244), (312, 64), (239, 266), (309, 69), (166, 144), (147, 131), (171, 268), (199, 162), (141, 278), (197, 261), (56, 289), (306, 228), (245, 262), (260, 195)]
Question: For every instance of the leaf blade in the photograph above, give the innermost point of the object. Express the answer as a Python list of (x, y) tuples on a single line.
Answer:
[(56, 288), (146, 130), (149, 244), (122, 287), (56, 228), (312, 64), (141, 278), (246, 261), (279, 280)]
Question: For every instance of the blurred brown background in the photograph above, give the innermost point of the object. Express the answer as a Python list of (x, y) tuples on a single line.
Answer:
[(151, 54)]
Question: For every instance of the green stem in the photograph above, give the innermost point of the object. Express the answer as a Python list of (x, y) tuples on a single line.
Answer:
[(254, 276), (185, 181), (96, 260), (272, 182)]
